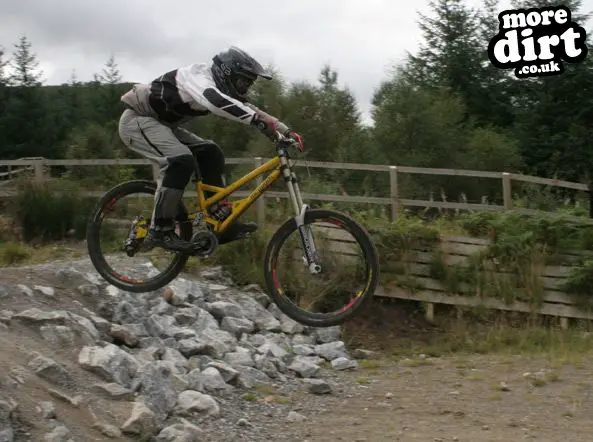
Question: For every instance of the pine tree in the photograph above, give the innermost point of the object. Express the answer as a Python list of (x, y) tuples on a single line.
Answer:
[(25, 65), (3, 64), (110, 73)]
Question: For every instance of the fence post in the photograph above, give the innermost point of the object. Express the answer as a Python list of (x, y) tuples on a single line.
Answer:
[(260, 204), (39, 172), (507, 194), (394, 192)]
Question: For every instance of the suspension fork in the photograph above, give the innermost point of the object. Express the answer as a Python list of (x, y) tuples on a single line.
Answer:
[(300, 208)]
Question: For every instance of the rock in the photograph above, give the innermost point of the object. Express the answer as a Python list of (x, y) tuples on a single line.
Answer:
[(324, 335), (157, 385), (124, 334), (58, 335), (222, 309), (304, 340), (212, 381), (360, 353), (293, 416), (160, 326), (227, 372), (237, 326), (101, 324), (504, 387), (75, 401), (35, 315), (272, 349), (303, 350), (183, 431), (192, 347), (332, 350), (290, 326), (25, 290), (318, 386), (204, 321), (240, 357), (303, 367), (47, 409), (176, 357), (89, 290), (190, 401), (108, 430), (249, 376), (186, 316), (126, 313), (6, 434), (254, 311), (5, 316), (343, 364), (110, 362), (113, 391), (50, 370), (59, 434), (141, 422), (87, 329), (47, 291)]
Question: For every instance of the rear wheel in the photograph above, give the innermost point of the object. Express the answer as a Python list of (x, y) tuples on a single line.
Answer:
[(131, 205), (340, 280)]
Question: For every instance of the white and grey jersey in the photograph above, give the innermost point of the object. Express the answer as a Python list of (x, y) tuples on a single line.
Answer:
[(186, 93)]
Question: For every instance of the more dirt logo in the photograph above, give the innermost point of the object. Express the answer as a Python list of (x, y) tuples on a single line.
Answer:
[(536, 41)]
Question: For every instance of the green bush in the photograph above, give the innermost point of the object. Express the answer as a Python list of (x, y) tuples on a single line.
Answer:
[(50, 212)]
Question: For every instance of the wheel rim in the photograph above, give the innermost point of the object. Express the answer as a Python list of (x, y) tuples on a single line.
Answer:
[(337, 294), (143, 268)]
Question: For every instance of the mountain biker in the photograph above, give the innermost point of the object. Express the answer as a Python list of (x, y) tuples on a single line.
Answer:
[(150, 127)]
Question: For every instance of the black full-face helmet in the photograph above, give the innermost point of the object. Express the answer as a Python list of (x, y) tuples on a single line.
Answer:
[(234, 71)]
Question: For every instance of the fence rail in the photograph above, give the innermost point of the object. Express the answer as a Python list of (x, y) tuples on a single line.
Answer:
[(555, 303), (39, 166)]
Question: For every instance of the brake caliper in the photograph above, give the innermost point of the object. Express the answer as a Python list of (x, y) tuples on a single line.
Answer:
[(138, 232)]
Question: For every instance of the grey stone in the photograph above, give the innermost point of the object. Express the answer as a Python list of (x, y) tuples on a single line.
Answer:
[(327, 334), (318, 386), (240, 357), (141, 422), (303, 367), (190, 401), (183, 431), (332, 350), (343, 364), (111, 390), (50, 370), (110, 362), (237, 326)]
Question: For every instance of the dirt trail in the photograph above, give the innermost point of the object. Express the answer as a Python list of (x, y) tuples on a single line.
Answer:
[(460, 399), (442, 399)]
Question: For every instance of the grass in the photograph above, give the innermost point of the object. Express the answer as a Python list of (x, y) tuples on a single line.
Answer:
[(16, 253)]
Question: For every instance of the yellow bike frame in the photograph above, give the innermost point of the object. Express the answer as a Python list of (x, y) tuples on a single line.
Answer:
[(238, 206)]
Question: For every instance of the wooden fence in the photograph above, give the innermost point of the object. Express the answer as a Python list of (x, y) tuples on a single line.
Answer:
[(456, 249), (40, 167), (542, 295)]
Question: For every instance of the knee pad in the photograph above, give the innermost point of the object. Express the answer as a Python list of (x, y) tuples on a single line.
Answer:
[(178, 172)]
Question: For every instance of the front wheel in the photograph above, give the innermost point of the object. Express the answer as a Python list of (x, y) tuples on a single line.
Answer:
[(324, 274), (114, 235)]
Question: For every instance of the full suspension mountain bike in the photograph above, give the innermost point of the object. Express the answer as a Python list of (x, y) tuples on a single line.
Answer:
[(313, 287)]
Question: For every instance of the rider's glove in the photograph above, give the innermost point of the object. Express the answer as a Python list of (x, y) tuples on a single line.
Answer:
[(296, 137), (266, 124)]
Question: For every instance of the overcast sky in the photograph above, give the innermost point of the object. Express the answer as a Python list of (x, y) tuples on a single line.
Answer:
[(361, 39)]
